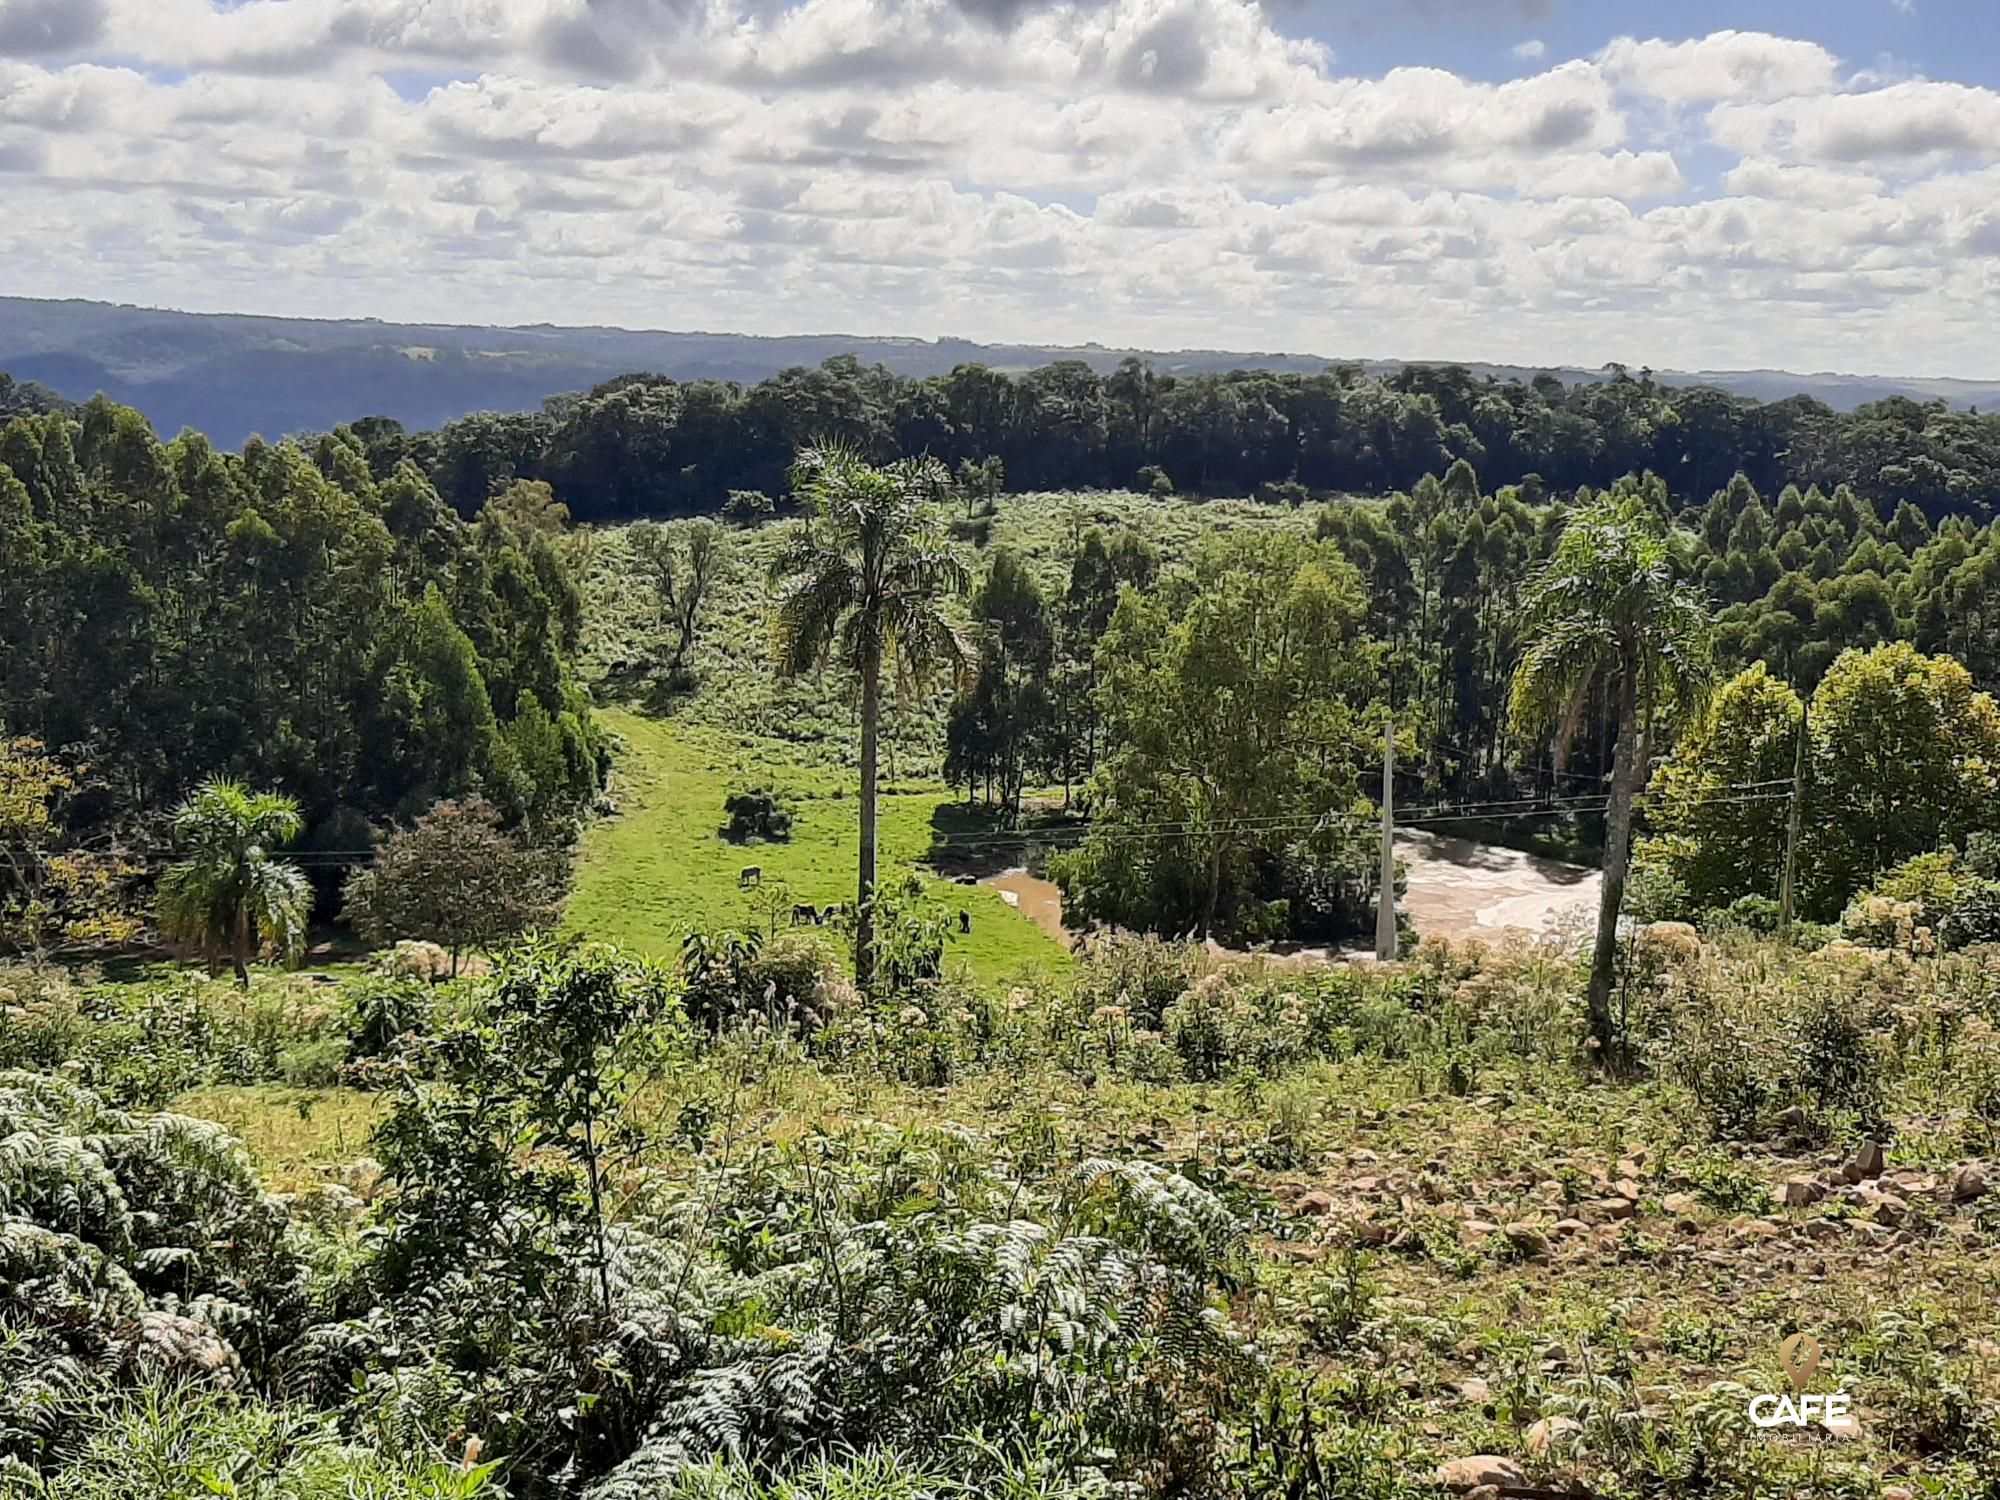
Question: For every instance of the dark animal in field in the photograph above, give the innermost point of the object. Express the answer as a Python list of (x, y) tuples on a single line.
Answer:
[(805, 912), (964, 920), (751, 875)]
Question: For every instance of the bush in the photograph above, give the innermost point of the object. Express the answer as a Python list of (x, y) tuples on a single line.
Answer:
[(1283, 492), (1937, 900), (756, 815), (141, 1045), (1144, 975), (1747, 913), (1750, 1045), (748, 508)]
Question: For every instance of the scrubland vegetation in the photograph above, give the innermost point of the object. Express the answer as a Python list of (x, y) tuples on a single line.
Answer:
[(567, 1107), (1173, 1224)]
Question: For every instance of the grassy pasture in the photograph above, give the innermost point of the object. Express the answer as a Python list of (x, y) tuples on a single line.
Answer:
[(659, 869)]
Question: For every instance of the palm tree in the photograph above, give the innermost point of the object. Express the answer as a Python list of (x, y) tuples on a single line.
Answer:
[(229, 896), (863, 582), (1607, 611)]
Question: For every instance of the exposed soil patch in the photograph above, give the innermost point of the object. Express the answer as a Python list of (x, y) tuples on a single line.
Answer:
[(1039, 900), (1458, 889)]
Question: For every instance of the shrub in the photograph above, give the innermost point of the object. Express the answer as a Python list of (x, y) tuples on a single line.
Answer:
[(1748, 1045), (1143, 974), (1283, 492), (748, 508), (756, 815), (1938, 900)]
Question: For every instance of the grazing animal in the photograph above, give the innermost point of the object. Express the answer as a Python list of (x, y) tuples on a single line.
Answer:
[(964, 920), (805, 912), (751, 875)]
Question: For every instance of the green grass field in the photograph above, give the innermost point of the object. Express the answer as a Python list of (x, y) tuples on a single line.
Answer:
[(659, 869)]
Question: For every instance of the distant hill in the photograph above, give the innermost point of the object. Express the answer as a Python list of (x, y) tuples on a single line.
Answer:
[(232, 375)]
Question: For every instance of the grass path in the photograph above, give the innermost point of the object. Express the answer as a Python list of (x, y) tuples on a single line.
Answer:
[(657, 870)]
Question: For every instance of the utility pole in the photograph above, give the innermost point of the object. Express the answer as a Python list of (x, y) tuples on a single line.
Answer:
[(1793, 814), (1385, 911)]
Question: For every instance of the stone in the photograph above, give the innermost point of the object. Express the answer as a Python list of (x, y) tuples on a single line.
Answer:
[(1886, 1207), (1617, 1208), (1475, 1390), (1318, 1201), (1867, 1161), (1628, 1189), (1970, 1183), (1562, 1229), (1481, 1227), (1899, 1492), (1680, 1203), (1481, 1468), (1529, 1242), (1551, 1433), (1801, 1192)]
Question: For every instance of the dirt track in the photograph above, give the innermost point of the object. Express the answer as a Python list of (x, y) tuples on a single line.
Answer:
[(1458, 889)]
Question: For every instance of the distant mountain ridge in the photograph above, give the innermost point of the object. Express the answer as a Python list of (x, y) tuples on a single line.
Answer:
[(235, 374)]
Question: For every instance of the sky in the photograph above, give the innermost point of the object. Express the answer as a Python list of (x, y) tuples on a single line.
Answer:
[(1697, 184)]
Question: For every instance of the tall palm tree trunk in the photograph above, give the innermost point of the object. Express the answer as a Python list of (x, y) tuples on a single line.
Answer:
[(864, 910), (1627, 762)]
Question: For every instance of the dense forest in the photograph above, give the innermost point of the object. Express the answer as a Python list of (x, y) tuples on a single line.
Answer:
[(649, 445), (173, 613)]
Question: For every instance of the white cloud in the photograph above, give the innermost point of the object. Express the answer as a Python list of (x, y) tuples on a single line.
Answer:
[(1910, 125), (1725, 65), (1162, 172), (1531, 49)]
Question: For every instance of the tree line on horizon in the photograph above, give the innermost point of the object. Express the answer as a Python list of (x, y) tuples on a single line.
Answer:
[(650, 445)]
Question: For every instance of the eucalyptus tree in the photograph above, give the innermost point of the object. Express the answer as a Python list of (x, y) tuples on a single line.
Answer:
[(864, 584)]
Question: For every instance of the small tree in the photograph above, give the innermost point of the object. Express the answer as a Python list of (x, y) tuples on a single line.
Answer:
[(458, 879), (500, 1127), (229, 896), (573, 1026), (50, 897), (682, 563)]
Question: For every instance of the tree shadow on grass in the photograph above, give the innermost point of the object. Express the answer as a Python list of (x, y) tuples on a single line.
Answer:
[(974, 842)]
